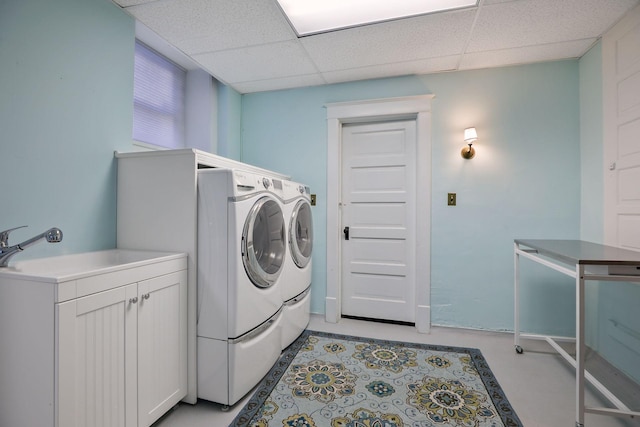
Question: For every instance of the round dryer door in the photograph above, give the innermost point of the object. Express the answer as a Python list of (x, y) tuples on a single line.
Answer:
[(301, 234), (264, 243)]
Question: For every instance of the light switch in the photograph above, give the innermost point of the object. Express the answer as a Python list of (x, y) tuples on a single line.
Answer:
[(313, 200), (451, 199)]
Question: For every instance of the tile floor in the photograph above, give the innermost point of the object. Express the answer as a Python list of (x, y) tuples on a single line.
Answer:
[(539, 383)]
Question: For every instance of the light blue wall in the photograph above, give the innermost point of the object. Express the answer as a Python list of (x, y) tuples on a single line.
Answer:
[(523, 183), (66, 85), (591, 146), (66, 82), (606, 302), (229, 122), (591, 177)]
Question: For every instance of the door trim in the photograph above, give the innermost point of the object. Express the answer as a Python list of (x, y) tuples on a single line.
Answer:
[(417, 108)]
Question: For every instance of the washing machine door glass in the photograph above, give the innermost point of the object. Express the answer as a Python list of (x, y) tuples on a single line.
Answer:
[(301, 234), (264, 244)]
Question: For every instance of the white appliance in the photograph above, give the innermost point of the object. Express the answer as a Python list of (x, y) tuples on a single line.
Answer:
[(241, 255), (296, 277)]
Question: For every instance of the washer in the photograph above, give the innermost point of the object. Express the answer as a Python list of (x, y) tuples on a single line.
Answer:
[(241, 256), (296, 277)]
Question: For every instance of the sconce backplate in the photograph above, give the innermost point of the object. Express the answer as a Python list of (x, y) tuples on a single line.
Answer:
[(468, 152)]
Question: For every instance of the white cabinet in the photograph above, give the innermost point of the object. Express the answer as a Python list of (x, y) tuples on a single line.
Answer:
[(114, 357)]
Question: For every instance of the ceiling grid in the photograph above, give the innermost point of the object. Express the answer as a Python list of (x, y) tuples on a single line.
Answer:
[(251, 46)]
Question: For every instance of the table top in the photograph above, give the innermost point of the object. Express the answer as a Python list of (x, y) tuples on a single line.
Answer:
[(582, 252)]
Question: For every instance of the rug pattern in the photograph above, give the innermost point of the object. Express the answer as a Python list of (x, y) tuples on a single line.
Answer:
[(333, 380)]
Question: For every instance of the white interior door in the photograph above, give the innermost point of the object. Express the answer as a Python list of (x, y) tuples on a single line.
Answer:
[(621, 78), (379, 208)]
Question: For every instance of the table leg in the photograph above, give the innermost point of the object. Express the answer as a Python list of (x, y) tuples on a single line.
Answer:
[(580, 345), (516, 299)]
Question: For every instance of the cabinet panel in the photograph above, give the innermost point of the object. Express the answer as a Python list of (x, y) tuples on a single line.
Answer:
[(162, 345), (26, 354), (97, 377)]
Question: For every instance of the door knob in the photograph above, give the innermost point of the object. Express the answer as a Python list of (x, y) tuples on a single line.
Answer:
[(346, 233)]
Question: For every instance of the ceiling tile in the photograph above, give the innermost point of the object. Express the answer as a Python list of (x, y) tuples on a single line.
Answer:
[(423, 66), (196, 26), (283, 59), (524, 55), (126, 3), (409, 39), (279, 84), (250, 45), (486, 2), (526, 23)]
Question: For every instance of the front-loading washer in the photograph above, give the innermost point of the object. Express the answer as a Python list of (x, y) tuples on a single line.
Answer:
[(241, 256), (296, 277)]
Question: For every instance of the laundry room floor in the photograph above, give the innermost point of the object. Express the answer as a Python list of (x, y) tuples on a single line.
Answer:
[(539, 384)]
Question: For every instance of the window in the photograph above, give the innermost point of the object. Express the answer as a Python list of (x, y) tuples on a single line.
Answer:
[(158, 99)]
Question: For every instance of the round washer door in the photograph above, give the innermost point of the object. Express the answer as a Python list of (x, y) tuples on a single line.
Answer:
[(264, 244), (301, 234)]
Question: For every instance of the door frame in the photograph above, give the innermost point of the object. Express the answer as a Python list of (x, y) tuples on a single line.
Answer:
[(416, 108)]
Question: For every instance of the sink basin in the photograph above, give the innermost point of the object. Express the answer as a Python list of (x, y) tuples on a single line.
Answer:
[(76, 266)]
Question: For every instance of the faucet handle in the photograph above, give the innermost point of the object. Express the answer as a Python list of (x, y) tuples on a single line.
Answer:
[(4, 236)]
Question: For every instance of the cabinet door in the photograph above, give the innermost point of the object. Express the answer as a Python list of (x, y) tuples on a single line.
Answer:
[(162, 345), (96, 360)]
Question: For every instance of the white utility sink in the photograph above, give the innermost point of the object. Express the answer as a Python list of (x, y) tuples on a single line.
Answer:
[(107, 312), (77, 266)]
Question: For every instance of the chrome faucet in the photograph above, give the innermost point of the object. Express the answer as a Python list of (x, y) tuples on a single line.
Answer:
[(52, 235)]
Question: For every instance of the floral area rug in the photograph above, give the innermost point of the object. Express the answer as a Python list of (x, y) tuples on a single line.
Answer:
[(329, 380)]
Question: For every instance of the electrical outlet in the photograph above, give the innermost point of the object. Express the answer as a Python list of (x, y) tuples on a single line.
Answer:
[(451, 199)]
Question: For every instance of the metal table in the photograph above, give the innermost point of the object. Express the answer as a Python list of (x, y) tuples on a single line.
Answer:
[(582, 261)]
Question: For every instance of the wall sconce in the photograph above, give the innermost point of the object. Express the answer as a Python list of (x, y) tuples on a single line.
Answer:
[(470, 136)]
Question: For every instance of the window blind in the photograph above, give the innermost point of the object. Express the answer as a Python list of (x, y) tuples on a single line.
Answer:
[(159, 93)]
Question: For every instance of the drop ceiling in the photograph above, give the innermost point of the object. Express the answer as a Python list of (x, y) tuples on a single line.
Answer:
[(250, 46)]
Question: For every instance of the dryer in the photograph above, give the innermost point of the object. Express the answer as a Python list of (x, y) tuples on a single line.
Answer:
[(241, 256), (296, 277)]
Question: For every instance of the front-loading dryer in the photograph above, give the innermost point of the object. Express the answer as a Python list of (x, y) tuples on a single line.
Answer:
[(296, 277), (242, 248)]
